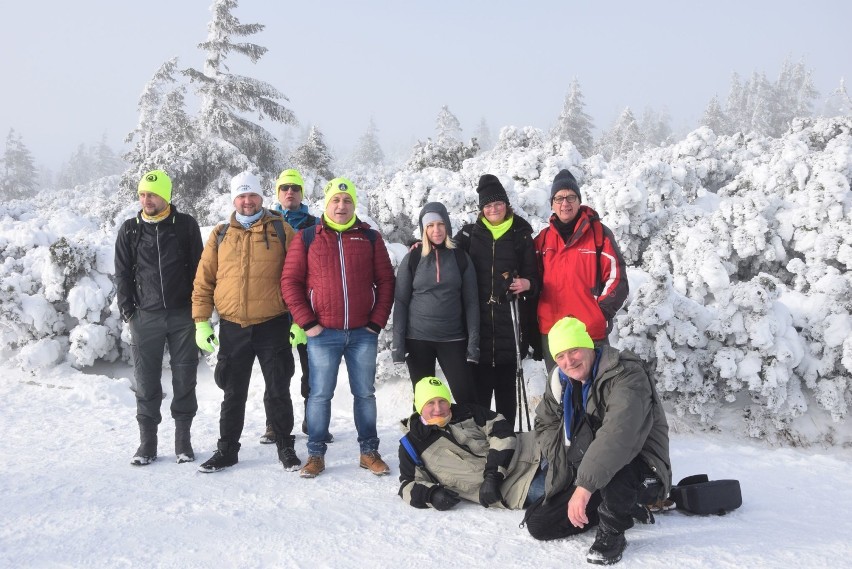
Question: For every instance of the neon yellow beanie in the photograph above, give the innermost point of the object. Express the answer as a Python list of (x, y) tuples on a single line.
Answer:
[(566, 334), (156, 182), (290, 176), (428, 388), (337, 186)]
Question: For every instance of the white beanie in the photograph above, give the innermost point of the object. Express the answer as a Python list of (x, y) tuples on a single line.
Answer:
[(244, 183)]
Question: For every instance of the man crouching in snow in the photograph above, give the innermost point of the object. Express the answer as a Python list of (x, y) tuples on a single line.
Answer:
[(463, 451), (604, 437)]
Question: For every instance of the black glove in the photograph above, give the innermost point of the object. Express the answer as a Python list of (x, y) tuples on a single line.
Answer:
[(443, 498), (489, 492)]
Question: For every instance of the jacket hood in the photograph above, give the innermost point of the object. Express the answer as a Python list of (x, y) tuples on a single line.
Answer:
[(436, 207)]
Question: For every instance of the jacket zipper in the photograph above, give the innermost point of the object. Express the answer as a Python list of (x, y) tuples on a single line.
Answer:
[(159, 263), (343, 281)]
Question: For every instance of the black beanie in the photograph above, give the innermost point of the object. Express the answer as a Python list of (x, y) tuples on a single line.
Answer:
[(490, 190), (564, 180)]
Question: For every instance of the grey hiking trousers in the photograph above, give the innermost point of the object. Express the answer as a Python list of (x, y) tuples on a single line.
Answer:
[(150, 331)]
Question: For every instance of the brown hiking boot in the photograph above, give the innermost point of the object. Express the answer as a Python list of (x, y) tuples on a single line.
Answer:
[(269, 436), (313, 467), (373, 462), (662, 506)]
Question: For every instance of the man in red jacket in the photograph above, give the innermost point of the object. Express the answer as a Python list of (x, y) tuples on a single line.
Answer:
[(338, 282), (583, 272)]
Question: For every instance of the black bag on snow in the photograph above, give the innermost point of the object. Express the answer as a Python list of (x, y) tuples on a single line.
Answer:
[(698, 495)]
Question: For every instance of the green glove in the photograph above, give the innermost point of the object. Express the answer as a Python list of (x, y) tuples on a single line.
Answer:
[(204, 336), (297, 335)]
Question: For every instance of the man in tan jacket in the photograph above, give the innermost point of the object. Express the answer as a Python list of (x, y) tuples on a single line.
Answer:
[(239, 275)]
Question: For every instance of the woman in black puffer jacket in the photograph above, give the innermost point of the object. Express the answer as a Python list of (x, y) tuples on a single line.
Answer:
[(500, 244)]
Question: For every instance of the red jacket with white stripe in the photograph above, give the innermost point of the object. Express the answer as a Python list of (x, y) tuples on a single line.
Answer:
[(343, 281), (569, 274)]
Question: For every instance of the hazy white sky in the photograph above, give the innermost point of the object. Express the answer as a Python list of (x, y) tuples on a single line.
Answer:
[(73, 71)]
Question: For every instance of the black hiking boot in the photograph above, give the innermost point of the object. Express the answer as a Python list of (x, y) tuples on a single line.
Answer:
[(287, 454), (183, 444), (607, 548), (225, 456), (147, 451)]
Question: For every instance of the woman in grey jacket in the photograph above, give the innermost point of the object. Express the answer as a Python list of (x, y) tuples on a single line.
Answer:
[(436, 307)]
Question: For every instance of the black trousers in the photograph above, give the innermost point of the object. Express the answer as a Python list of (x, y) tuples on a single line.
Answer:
[(269, 343), (498, 381), (612, 507), (453, 359), (306, 388)]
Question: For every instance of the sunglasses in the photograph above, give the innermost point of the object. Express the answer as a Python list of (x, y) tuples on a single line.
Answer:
[(289, 188)]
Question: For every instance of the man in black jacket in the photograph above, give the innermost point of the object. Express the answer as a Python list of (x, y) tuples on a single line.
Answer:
[(156, 255)]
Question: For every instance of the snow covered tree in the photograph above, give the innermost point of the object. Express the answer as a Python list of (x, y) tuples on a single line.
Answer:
[(448, 151), (655, 128), (227, 141), (715, 118), (839, 103), (483, 136), (622, 138), (19, 173), (573, 123), (367, 151), (794, 95), (313, 155), (165, 136), (448, 128)]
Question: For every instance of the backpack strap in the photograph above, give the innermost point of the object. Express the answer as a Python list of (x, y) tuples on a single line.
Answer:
[(597, 235), (461, 261), (221, 229), (412, 452), (308, 236), (278, 224)]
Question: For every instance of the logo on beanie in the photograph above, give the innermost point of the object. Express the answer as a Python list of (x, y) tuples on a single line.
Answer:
[(245, 189), (435, 382), (342, 187), (151, 177)]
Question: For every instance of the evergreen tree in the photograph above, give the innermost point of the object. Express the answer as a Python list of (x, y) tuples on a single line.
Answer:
[(626, 136), (78, 170), (794, 94), (736, 107), (448, 128), (573, 123), (227, 141), (483, 136), (655, 128), (314, 155), (19, 173), (368, 152), (839, 103), (105, 162), (760, 104), (164, 137), (714, 117)]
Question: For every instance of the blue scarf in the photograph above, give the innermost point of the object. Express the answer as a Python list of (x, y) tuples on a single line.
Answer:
[(294, 218), (247, 220), (568, 400)]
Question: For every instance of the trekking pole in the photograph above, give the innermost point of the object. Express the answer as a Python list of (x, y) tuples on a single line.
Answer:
[(520, 383)]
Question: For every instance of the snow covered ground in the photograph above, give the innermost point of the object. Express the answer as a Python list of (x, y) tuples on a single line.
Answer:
[(71, 499)]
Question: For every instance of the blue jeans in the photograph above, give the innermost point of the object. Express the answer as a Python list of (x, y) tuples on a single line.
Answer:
[(358, 348)]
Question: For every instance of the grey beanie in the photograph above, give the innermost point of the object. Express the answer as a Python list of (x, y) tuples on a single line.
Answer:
[(435, 208), (564, 180)]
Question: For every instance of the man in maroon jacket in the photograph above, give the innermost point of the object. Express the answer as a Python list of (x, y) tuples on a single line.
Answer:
[(338, 282)]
